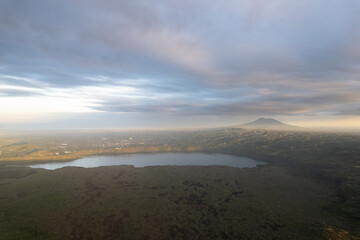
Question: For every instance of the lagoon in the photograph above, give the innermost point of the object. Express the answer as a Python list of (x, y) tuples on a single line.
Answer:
[(158, 159)]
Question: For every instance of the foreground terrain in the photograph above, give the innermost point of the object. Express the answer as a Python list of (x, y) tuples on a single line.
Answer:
[(163, 203), (309, 188)]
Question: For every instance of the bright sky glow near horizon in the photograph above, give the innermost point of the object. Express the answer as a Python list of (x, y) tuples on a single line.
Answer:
[(173, 64)]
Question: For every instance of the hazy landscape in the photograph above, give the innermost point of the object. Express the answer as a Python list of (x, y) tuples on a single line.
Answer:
[(167, 120), (308, 187)]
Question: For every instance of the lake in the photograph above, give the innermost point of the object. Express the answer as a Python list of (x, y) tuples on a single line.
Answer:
[(158, 159)]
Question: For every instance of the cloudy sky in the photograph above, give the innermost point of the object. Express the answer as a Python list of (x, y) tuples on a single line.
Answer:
[(164, 63)]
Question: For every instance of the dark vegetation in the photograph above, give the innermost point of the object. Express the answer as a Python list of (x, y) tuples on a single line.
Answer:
[(310, 188)]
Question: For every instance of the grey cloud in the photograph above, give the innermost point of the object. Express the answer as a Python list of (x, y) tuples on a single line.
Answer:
[(195, 109), (19, 81), (220, 57), (236, 104), (17, 93), (350, 109)]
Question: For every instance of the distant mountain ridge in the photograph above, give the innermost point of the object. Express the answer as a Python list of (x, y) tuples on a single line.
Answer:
[(268, 123)]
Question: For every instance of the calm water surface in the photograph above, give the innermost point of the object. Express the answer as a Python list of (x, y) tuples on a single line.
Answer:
[(159, 159)]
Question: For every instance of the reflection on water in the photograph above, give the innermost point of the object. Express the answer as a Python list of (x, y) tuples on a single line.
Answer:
[(159, 159)]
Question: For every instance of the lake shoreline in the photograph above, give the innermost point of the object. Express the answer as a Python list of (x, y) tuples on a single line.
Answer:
[(68, 158), (155, 159)]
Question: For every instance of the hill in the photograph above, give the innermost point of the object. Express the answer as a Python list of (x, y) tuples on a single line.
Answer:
[(269, 123)]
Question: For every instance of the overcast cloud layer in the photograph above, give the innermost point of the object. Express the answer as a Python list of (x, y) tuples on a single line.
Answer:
[(180, 58)]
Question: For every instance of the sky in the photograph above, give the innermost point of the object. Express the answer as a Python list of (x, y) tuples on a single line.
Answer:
[(178, 64)]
